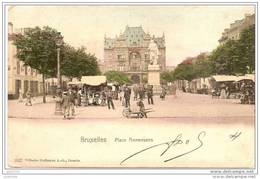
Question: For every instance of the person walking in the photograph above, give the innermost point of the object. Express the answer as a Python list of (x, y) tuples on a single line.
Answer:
[(163, 94), (122, 94), (141, 91), (110, 99), (135, 89), (72, 98), (79, 94), (150, 94), (20, 99), (65, 102), (28, 98), (127, 95), (174, 89)]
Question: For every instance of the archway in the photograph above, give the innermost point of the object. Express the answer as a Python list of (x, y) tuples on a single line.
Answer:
[(135, 61)]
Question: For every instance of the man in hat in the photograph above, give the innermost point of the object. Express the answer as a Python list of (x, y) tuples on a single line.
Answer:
[(150, 94), (127, 94)]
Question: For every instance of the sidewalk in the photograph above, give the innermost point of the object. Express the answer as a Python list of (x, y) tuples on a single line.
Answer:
[(38, 109)]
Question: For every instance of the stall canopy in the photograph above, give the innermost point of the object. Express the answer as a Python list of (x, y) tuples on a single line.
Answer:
[(74, 81), (93, 80), (224, 78), (246, 77)]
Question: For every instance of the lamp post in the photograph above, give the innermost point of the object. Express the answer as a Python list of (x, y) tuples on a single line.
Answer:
[(58, 108)]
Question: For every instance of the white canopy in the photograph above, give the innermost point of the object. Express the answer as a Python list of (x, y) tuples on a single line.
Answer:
[(246, 77), (74, 83), (222, 78), (93, 80)]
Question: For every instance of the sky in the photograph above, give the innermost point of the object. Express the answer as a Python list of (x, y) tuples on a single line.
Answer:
[(189, 30)]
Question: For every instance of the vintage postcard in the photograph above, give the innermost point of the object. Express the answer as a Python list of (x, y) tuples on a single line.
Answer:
[(131, 86)]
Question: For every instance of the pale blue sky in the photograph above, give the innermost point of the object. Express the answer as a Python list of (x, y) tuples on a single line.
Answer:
[(188, 30)]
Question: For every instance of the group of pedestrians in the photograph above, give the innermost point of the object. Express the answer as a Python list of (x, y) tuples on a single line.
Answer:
[(68, 102), (75, 97), (28, 96)]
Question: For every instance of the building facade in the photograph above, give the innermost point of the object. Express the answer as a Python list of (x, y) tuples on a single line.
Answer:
[(21, 78), (233, 33), (129, 53)]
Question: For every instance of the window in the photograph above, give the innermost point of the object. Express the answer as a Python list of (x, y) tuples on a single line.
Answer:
[(121, 68)]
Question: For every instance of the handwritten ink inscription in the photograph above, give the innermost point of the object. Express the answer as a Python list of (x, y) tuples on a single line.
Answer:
[(171, 144), (235, 136)]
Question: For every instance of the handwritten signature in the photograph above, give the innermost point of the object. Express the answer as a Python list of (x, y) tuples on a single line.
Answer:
[(177, 141), (235, 136)]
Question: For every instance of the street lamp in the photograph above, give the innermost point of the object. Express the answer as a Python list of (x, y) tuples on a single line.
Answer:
[(58, 108)]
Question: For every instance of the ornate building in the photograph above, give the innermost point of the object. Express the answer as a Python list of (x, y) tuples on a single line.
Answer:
[(233, 33), (129, 53)]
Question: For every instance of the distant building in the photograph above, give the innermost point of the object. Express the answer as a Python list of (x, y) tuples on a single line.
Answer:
[(233, 33), (129, 53), (20, 77)]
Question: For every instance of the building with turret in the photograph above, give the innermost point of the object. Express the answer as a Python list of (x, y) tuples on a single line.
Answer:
[(128, 52)]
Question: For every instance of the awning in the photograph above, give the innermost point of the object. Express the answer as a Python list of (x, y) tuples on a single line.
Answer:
[(224, 78), (93, 80), (74, 83), (246, 77)]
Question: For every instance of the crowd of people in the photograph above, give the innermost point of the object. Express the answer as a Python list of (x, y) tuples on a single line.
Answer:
[(105, 95), (245, 91)]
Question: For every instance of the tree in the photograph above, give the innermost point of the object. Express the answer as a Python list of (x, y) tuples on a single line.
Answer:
[(224, 56), (246, 47), (37, 49), (118, 77), (235, 57), (183, 72), (202, 67), (167, 76), (78, 63)]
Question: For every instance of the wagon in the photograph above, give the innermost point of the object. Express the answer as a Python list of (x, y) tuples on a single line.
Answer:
[(128, 113)]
